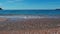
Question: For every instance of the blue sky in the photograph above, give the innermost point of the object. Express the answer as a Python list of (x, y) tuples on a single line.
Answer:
[(30, 4)]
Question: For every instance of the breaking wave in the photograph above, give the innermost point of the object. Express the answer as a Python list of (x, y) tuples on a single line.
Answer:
[(29, 17)]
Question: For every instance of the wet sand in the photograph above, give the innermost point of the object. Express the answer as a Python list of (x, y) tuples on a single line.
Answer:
[(24, 24)]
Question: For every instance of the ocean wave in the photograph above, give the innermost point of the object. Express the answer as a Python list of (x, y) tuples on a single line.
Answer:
[(29, 17)]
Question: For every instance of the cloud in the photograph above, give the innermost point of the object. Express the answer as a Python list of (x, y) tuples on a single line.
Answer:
[(13, 1), (10, 1)]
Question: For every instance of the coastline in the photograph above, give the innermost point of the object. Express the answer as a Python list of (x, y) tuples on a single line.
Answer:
[(29, 16)]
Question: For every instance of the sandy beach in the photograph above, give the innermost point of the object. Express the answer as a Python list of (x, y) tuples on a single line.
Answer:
[(16, 24)]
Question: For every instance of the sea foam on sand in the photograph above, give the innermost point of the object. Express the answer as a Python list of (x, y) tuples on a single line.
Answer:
[(30, 17), (25, 17)]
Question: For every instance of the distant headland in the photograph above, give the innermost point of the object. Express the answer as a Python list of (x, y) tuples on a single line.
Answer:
[(1, 9), (57, 9)]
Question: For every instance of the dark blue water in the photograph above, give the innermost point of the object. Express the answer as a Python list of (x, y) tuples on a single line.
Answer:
[(30, 12)]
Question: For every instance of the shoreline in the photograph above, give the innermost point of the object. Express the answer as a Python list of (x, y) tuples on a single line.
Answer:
[(29, 16)]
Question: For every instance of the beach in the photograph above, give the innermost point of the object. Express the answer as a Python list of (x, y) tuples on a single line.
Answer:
[(29, 24)]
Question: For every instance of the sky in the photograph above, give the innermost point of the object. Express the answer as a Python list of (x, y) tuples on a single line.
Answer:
[(30, 4)]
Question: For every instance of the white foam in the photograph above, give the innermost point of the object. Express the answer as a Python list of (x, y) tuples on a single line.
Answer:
[(29, 17)]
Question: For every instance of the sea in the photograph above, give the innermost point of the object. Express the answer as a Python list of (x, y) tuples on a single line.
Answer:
[(53, 13), (30, 12)]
